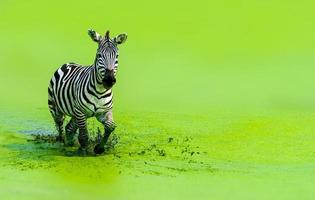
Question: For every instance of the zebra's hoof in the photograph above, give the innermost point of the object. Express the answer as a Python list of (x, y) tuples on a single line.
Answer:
[(81, 152), (59, 139), (69, 143), (99, 149)]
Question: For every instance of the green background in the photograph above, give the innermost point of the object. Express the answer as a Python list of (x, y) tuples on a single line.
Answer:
[(179, 55), (235, 76)]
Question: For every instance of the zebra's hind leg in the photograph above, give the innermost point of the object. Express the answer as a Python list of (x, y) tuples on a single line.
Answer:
[(58, 118), (71, 129), (83, 134)]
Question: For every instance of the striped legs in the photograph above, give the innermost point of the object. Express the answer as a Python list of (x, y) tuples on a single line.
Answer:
[(109, 126), (71, 129), (58, 118), (83, 133)]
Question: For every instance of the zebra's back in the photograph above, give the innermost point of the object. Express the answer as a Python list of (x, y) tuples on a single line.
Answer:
[(62, 87)]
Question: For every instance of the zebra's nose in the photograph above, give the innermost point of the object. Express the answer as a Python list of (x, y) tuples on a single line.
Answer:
[(109, 79), (114, 81)]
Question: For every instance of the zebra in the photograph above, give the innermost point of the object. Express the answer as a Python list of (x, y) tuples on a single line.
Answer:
[(82, 92)]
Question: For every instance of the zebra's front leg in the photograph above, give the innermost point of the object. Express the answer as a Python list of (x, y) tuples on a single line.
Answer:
[(109, 126)]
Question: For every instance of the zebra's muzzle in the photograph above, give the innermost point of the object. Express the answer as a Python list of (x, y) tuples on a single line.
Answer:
[(109, 79)]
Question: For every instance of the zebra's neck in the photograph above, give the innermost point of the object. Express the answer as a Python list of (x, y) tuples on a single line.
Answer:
[(96, 80)]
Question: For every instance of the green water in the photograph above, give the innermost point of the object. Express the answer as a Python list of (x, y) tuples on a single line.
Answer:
[(214, 99)]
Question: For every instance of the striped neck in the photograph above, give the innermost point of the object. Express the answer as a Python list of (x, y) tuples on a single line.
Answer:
[(96, 80)]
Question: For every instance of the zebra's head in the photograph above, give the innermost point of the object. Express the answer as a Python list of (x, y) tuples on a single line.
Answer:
[(106, 60)]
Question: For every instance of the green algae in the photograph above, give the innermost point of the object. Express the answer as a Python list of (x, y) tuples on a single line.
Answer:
[(247, 157)]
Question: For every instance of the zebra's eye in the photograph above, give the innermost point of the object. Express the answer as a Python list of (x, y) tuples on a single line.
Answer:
[(99, 55)]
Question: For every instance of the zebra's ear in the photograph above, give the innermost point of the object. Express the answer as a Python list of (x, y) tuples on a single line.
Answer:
[(96, 37), (121, 38)]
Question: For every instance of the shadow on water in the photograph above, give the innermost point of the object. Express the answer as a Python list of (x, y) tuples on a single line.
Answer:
[(46, 144), (28, 155), (41, 151)]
